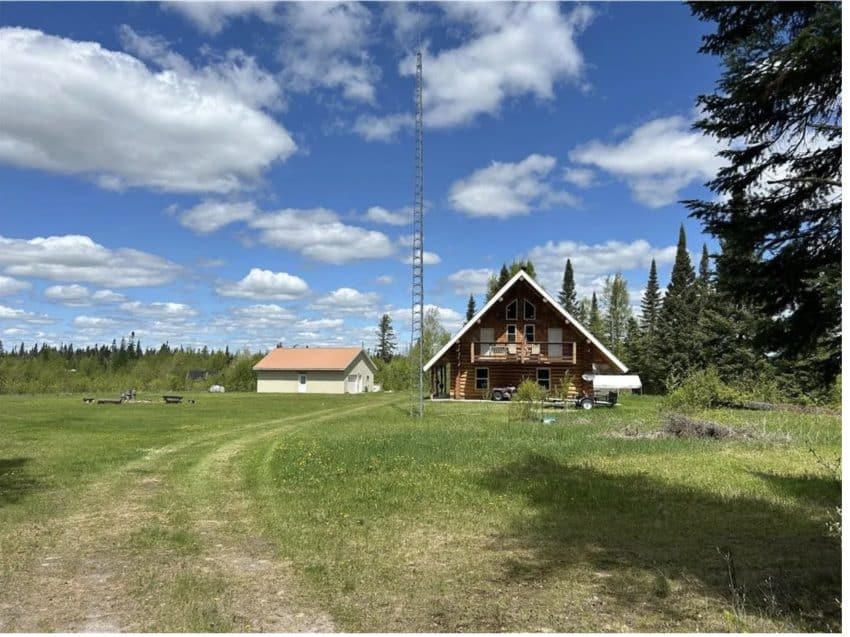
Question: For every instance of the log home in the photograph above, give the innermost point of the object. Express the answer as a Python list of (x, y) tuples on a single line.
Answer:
[(522, 332)]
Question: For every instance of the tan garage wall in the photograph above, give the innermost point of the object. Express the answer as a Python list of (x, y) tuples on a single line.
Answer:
[(286, 382)]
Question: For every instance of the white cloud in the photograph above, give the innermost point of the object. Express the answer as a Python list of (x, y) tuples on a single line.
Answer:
[(406, 22), (428, 258), (164, 131), (318, 234), (212, 17), (581, 177), (449, 319), (505, 189), (265, 284), (160, 310), (94, 323), (209, 216), (347, 301), (71, 295), (517, 49), (9, 286), (470, 280), (592, 263), (77, 258), (11, 313), (382, 128), (656, 160), (319, 324), (107, 296), (384, 279), (377, 214), (324, 46), (234, 73)]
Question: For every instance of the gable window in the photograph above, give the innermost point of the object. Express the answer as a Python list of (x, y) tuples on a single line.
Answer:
[(529, 311), (511, 311), (482, 378), (543, 377), (511, 333), (529, 333)]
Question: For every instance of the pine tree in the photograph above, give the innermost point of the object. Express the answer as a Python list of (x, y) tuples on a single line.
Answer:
[(650, 304), (470, 308), (678, 351), (582, 314), (778, 106), (506, 274), (567, 296), (386, 338)]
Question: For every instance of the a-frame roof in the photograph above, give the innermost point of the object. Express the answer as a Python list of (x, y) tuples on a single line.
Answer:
[(498, 295)]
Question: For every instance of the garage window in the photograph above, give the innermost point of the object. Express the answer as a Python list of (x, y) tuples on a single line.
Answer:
[(482, 378)]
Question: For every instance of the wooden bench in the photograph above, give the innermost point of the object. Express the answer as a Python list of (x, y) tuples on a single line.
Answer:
[(173, 399), (109, 401)]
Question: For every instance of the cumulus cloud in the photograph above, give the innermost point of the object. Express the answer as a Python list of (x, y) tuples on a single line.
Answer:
[(319, 324), (656, 159), (581, 177), (517, 49), (470, 280), (377, 214), (320, 235), (450, 319), (505, 189), (9, 286), (11, 313), (165, 131), (265, 284), (324, 45), (209, 216), (384, 279), (382, 128), (77, 258), (94, 323), (347, 301), (71, 295), (592, 263), (428, 258), (234, 73), (160, 310), (212, 17)]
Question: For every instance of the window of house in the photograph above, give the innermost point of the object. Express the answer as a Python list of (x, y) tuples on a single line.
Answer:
[(529, 333), (529, 310), (510, 311), (543, 377), (511, 333), (482, 378)]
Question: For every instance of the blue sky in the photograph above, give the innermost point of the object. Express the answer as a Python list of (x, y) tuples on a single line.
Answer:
[(242, 173)]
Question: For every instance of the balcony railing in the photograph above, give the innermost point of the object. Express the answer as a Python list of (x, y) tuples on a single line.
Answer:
[(564, 352)]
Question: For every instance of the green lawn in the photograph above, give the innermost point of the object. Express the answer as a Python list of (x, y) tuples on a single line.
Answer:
[(259, 512)]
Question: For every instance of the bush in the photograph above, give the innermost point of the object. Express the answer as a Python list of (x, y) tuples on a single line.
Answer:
[(525, 403), (702, 390)]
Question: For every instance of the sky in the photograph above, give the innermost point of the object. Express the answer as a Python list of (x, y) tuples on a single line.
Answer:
[(241, 173)]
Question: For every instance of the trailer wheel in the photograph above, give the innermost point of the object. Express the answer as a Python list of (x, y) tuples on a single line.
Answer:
[(497, 395), (586, 403)]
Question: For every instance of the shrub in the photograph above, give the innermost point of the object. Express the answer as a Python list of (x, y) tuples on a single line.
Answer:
[(525, 403), (703, 389)]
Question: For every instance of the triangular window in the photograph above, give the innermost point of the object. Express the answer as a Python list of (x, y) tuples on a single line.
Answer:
[(511, 311), (530, 311)]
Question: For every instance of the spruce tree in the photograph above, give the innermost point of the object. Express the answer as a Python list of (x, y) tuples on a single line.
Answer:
[(650, 304), (778, 107), (386, 339), (582, 314), (615, 303), (470, 308), (677, 346), (567, 296), (594, 318)]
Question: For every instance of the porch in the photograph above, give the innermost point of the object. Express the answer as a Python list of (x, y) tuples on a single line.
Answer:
[(550, 352)]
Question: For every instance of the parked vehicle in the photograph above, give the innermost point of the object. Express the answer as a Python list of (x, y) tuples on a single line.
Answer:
[(502, 393)]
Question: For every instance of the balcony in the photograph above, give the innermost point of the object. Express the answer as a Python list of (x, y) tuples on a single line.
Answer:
[(564, 352)]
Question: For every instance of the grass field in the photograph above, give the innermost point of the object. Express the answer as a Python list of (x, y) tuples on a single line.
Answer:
[(286, 513)]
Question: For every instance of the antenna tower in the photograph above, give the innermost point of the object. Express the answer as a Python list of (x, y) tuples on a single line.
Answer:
[(418, 287)]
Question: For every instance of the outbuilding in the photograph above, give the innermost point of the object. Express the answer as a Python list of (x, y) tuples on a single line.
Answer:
[(315, 370)]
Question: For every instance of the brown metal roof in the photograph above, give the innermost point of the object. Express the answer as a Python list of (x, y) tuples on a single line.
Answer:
[(306, 358)]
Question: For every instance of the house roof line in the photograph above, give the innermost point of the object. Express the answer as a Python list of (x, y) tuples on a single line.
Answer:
[(312, 359), (523, 275)]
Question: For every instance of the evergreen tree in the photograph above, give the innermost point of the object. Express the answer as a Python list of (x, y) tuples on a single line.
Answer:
[(778, 105), (616, 313), (506, 274), (567, 296), (470, 308), (594, 318), (650, 304), (386, 338), (645, 349), (678, 351), (582, 314)]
